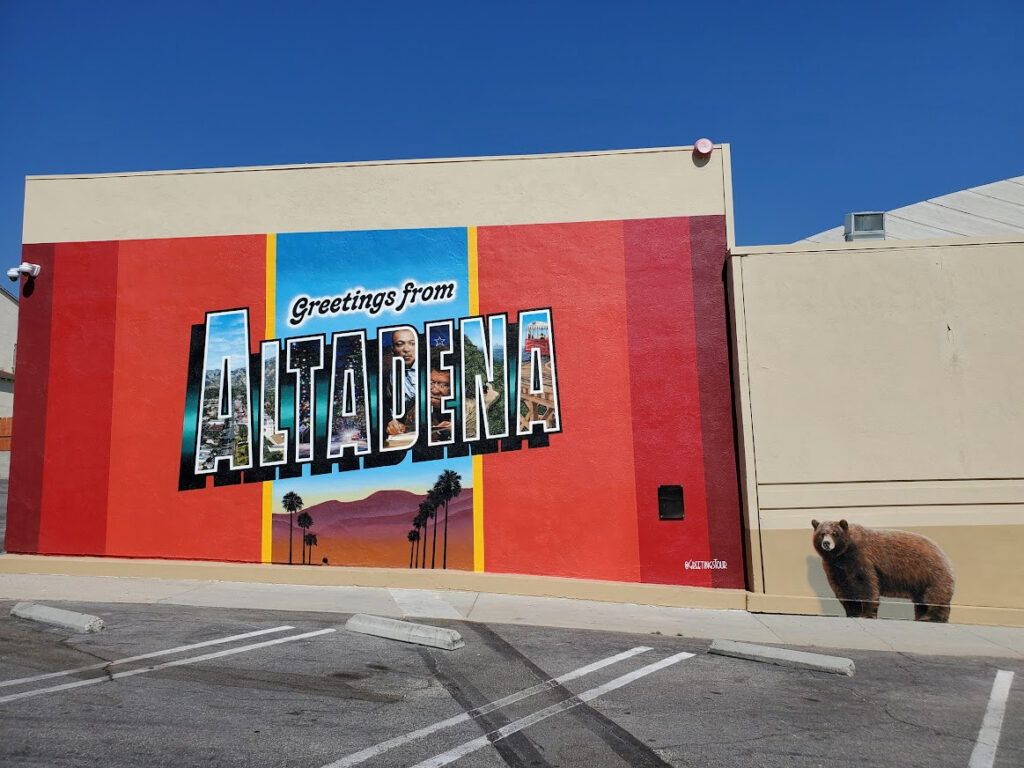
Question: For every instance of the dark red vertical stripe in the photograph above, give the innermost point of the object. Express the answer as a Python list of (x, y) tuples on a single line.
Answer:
[(28, 441), (709, 253), (80, 396), (666, 403)]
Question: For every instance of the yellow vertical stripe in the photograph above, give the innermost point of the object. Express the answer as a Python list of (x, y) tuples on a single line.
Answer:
[(266, 541), (268, 521), (478, 461), (478, 514), (474, 285), (271, 284)]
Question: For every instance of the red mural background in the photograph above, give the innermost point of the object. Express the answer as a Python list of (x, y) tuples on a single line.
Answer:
[(641, 338), (643, 365)]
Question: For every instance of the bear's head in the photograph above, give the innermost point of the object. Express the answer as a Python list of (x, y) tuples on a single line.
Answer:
[(831, 538)]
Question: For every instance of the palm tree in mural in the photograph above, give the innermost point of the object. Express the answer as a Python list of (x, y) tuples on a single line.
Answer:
[(420, 521), (447, 487), (435, 505), (292, 503), (414, 540), (309, 540), (305, 522), (419, 524), (428, 511)]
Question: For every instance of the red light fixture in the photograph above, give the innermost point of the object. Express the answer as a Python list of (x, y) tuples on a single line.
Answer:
[(702, 148)]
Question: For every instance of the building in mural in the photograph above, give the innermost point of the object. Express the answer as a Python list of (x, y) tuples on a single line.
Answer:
[(556, 365)]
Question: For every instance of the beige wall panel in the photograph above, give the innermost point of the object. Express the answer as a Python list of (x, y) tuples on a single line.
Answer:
[(902, 517), (898, 494), (886, 364), (745, 440), (392, 195), (986, 561)]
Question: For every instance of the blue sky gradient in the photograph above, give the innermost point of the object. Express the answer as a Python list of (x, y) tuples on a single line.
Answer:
[(829, 107), (227, 336)]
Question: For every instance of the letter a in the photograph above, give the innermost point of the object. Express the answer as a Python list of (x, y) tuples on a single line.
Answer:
[(538, 374), (348, 420), (228, 434)]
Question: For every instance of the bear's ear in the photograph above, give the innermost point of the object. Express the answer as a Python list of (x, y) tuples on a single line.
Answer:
[(815, 524), (844, 525)]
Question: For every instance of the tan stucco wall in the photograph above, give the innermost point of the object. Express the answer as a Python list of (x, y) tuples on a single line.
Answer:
[(882, 383), (629, 184)]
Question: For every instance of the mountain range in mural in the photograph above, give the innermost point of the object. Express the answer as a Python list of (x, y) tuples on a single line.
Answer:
[(374, 531)]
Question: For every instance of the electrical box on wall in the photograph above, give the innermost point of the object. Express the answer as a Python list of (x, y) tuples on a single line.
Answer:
[(670, 502)]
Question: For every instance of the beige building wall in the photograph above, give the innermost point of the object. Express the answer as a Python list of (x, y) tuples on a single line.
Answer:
[(475, 191), (881, 383)]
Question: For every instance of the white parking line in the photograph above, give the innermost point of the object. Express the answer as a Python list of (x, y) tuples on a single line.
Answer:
[(165, 665), (362, 756), (169, 651), (517, 725), (984, 754)]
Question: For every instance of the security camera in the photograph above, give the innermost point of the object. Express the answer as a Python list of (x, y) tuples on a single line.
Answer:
[(31, 270)]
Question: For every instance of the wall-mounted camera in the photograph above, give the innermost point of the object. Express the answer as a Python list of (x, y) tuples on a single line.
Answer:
[(31, 270)]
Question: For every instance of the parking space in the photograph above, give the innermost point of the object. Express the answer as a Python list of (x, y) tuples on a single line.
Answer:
[(234, 687)]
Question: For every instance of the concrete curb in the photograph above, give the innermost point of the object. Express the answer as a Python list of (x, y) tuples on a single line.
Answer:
[(405, 631), (58, 617), (836, 665)]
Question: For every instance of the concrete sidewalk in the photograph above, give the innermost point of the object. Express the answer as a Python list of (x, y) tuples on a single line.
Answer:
[(799, 631)]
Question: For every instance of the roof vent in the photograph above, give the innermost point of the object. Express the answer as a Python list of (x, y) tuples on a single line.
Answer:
[(866, 225)]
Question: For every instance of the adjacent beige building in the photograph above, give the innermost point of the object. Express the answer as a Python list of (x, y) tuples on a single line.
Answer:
[(880, 383)]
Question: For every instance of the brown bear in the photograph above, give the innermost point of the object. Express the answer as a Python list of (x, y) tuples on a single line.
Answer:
[(863, 564)]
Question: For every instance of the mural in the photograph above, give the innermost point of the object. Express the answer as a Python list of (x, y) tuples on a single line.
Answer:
[(504, 399)]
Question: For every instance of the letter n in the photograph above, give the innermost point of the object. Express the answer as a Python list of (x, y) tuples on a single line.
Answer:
[(484, 376)]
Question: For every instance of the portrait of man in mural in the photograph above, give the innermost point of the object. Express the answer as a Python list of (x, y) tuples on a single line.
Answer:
[(403, 345), (440, 392)]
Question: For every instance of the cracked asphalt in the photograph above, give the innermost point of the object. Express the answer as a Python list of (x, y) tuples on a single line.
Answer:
[(315, 700)]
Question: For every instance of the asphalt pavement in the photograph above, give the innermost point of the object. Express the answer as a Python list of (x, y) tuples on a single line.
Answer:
[(209, 672), (169, 684)]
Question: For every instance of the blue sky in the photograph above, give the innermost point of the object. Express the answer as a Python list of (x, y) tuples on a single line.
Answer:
[(830, 107), (227, 335)]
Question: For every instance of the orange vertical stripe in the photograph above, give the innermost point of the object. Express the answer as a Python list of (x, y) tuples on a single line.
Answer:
[(148, 515), (568, 509)]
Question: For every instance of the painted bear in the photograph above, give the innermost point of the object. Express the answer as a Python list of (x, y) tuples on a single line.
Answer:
[(863, 564)]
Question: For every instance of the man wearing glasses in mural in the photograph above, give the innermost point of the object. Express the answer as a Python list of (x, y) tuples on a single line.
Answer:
[(440, 392), (403, 345)]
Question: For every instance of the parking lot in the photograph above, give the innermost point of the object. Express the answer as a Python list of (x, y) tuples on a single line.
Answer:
[(176, 685)]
